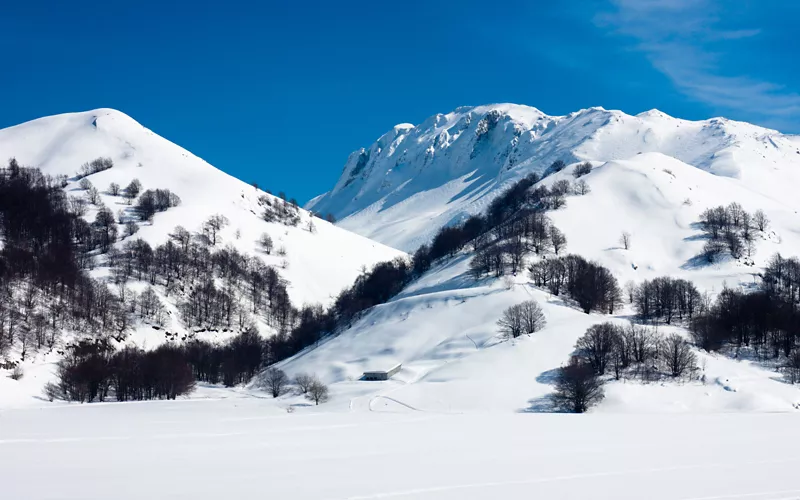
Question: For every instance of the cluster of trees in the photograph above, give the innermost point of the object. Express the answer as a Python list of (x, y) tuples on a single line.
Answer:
[(608, 348), (582, 169), (666, 299), (733, 229), (46, 248), (95, 371), (155, 200), (634, 350), (94, 166), (309, 386), (525, 317), (591, 285), (281, 211), (384, 281), (505, 248), (217, 288), (765, 321)]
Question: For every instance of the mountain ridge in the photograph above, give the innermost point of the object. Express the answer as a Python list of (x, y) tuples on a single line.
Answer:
[(451, 165)]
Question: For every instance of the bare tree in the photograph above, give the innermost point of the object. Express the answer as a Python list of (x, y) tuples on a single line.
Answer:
[(597, 344), (317, 392), (760, 220), (113, 189), (85, 184), (93, 195), (677, 355), (625, 240), (312, 228), (132, 190), (557, 239), (533, 318), (265, 241), (275, 381), (303, 382), (581, 187), (213, 225), (578, 388), (510, 322)]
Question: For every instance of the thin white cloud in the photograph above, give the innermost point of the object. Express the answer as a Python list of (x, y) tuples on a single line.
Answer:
[(684, 40)]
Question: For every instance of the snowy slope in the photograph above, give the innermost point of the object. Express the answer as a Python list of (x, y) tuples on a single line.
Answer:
[(415, 179), (319, 264), (443, 330), (443, 327)]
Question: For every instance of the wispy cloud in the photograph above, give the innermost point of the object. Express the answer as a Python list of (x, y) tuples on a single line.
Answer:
[(687, 41)]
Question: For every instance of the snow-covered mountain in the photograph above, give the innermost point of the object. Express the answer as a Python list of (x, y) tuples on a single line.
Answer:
[(317, 265), (416, 179), (443, 327), (652, 177)]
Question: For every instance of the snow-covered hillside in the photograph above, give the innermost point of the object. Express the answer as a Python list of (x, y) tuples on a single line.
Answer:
[(318, 265), (443, 327), (415, 179)]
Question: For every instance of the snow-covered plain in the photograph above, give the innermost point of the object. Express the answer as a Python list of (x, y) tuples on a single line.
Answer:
[(250, 448)]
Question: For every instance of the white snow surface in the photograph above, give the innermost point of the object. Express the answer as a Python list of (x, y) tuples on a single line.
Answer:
[(414, 180), (241, 447)]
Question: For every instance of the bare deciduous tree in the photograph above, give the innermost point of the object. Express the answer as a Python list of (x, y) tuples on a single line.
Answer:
[(557, 239), (597, 344), (677, 355), (265, 241), (625, 240), (113, 189), (510, 322), (526, 317), (578, 388), (317, 392), (303, 382), (275, 381), (760, 220), (213, 225), (581, 187), (533, 318)]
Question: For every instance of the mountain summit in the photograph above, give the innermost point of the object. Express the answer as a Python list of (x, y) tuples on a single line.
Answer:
[(416, 179)]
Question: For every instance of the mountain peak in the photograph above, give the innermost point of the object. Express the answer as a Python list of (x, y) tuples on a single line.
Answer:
[(453, 164)]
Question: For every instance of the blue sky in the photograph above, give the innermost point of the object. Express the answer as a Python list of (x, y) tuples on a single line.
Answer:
[(281, 92)]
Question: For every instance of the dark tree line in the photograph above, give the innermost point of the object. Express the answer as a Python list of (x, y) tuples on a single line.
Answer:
[(591, 285), (765, 321), (634, 351), (44, 288), (95, 371), (666, 299)]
